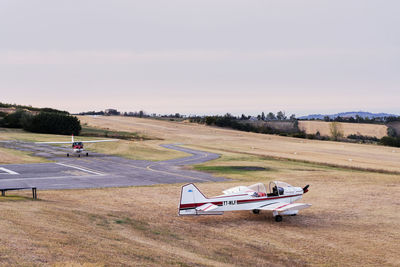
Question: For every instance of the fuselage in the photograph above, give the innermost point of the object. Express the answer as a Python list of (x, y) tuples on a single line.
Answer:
[(77, 147), (246, 201)]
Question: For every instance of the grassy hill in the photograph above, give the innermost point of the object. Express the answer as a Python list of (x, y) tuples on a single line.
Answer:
[(365, 156), (372, 130)]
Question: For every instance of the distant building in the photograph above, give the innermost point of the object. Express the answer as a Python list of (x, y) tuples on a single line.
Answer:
[(110, 112)]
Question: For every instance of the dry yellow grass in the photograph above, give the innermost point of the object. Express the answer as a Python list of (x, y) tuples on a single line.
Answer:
[(138, 150), (352, 222), (211, 138), (312, 127), (10, 156)]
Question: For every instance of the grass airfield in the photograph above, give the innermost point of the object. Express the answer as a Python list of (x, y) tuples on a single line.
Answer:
[(353, 220)]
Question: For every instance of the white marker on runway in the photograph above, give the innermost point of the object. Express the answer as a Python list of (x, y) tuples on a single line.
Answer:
[(79, 168), (8, 171)]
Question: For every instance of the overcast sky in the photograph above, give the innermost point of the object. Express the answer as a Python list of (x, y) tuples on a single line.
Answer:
[(202, 57)]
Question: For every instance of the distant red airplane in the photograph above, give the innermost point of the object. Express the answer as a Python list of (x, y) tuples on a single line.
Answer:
[(77, 146)]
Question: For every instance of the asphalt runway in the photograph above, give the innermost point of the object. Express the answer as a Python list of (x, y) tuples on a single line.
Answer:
[(99, 170)]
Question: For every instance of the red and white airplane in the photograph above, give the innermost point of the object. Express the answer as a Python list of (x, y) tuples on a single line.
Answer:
[(77, 146), (279, 199)]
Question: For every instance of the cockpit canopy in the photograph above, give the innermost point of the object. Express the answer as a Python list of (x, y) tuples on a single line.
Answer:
[(259, 187), (275, 188)]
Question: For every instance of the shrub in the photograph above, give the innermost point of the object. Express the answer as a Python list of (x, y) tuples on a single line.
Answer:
[(336, 130), (363, 138), (390, 141), (54, 123), (391, 132)]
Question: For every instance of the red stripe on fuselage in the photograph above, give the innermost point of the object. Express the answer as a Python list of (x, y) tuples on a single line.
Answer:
[(219, 203), (232, 196)]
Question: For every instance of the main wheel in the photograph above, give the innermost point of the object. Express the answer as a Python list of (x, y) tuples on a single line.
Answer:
[(256, 211), (87, 154), (67, 154), (278, 218), (79, 155)]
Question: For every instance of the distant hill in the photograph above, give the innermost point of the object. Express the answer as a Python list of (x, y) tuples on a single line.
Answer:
[(11, 108), (353, 114)]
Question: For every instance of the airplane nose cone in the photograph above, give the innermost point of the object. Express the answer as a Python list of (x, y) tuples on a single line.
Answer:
[(305, 189)]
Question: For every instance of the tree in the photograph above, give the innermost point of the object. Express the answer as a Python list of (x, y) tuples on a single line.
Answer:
[(390, 141), (13, 120), (326, 118), (336, 130), (292, 117), (55, 123), (262, 116), (391, 132), (271, 116), (281, 116), (210, 120)]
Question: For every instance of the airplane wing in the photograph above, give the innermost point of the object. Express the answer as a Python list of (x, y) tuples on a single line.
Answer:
[(281, 207), (207, 207), (98, 141), (53, 142), (93, 141)]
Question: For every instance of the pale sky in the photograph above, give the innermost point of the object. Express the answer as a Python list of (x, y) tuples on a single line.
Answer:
[(202, 57)]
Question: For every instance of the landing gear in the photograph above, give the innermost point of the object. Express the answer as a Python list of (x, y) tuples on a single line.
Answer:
[(67, 154), (278, 218), (256, 211), (87, 154), (79, 155)]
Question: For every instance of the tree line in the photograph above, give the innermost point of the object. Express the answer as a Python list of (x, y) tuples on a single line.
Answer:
[(30, 108), (243, 123), (43, 122), (359, 119)]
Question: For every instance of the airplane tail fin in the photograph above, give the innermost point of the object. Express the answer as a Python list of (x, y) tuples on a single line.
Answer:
[(190, 194), (193, 202)]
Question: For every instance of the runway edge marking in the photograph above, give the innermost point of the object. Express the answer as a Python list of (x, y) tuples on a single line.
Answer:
[(8, 171), (79, 168)]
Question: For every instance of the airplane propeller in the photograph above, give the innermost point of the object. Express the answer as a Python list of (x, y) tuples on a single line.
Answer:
[(305, 189)]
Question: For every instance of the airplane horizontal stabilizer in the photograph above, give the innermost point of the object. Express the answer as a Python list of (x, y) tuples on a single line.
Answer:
[(207, 207)]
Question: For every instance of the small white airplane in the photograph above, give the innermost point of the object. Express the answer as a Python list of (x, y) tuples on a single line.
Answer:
[(77, 146), (279, 199)]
